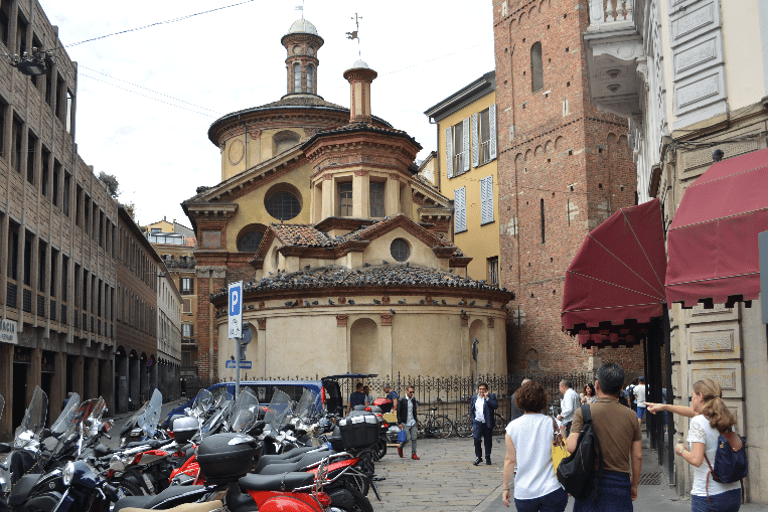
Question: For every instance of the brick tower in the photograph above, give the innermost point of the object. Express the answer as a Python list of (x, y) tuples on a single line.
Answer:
[(563, 168)]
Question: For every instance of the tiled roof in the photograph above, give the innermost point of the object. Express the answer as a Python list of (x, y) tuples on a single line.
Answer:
[(303, 235), (369, 276), (365, 126)]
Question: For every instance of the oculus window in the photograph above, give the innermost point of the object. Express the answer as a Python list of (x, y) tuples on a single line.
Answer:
[(282, 205), (400, 250)]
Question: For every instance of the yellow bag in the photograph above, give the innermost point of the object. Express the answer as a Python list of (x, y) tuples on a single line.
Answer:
[(559, 452)]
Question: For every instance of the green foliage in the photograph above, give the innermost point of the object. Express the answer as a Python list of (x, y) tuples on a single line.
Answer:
[(110, 180)]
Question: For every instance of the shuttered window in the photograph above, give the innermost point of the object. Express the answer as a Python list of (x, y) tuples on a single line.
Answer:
[(449, 151), (460, 209), (486, 200), (457, 148)]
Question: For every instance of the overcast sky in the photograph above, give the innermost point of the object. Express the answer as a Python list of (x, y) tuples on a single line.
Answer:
[(146, 98)]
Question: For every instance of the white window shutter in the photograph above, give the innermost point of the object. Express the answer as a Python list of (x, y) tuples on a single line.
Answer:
[(460, 210), (492, 123), (475, 142), (465, 129), (449, 151), (486, 200)]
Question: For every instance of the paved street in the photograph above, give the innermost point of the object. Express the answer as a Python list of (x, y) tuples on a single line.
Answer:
[(445, 480)]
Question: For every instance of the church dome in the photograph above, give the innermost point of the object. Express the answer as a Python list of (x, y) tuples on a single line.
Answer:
[(302, 26), (360, 64)]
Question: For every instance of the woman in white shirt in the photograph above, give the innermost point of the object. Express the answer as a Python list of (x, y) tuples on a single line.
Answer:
[(529, 446), (709, 418)]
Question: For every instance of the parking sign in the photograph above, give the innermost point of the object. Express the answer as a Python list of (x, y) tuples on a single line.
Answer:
[(236, 310)]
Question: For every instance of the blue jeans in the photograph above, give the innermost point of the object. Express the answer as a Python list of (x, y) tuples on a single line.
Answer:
[(728, 501), (556, 501), (614, 495)]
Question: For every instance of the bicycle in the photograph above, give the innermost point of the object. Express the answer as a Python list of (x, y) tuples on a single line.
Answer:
[(463, 425), (438, 426)]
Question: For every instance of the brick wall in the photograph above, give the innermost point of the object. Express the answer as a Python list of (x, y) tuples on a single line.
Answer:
[(563, 169)]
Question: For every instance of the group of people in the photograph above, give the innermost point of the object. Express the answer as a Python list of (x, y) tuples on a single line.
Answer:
[(530, 436)]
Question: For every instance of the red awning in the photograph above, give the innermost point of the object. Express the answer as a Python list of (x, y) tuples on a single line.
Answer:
[(712, 242), (614, 285)]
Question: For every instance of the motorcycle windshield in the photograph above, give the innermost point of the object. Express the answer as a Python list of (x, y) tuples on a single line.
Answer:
[(245, 412), (34, 419), (133, 421), (67, 415), (212, 424), (92, 410), (279, 409), (306, 409), (202, 403), (147, 421)]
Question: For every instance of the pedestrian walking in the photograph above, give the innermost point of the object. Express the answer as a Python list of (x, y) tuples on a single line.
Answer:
[(589, 394), (515, 411), (529, 440), (710, 418), (390, 393), (406, 417), (639, 392), (618, 433), (568, 405), (481, 410)]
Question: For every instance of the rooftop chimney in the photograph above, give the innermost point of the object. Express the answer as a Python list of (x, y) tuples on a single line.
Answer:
[(360, 77)]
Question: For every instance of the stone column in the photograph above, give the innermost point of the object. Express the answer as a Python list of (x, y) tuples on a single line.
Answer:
[(34, 375), (133, 381), (261, 347), (392, 196), (465, 347), (123, 390), (58, 382), (386, 343), (329, 203), (92, 386), (78, 367), (342, 342), (361, 195), (107, 380), (6, 389)]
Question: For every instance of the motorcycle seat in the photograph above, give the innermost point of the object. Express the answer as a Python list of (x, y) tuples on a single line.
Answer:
[(279, 469), (288, 457), (20, 491), (281, 482), (208, 506), (145, 502)]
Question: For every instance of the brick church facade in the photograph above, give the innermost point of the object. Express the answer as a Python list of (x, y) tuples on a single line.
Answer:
[(563, 166)]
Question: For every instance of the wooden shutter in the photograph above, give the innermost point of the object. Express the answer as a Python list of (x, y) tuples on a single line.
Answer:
[(449, 151), (465, 150), (475, 142), (460, 210), (492, 125), (486, 200)]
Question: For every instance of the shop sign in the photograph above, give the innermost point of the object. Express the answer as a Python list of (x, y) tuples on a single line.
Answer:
[(8, 331)]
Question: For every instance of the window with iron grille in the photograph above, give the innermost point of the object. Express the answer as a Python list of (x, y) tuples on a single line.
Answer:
[(283, 205), (493, 271)]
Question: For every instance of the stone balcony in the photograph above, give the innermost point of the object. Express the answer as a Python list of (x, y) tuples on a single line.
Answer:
[(615, 56)]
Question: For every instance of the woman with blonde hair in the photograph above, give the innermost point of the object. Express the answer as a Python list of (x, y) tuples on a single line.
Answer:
[(710, 417)]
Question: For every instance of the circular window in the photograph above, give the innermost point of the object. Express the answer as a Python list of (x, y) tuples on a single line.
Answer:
[(400, 249), (283, 205), (250, 241)]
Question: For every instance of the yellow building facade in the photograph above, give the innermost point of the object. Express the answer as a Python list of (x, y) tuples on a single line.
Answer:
[(466, 172)]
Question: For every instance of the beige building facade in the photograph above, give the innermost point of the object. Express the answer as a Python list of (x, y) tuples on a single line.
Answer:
[(344, 247), (691, 77)]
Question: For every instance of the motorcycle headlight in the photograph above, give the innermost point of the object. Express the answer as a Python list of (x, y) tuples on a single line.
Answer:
[(68, 474)]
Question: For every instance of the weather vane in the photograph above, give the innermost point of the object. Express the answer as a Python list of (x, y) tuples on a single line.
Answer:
[(301, 8), (353, 34)]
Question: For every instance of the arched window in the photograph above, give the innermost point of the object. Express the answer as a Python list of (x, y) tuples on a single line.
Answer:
[(297, 77), (537, 71), (310, 79)]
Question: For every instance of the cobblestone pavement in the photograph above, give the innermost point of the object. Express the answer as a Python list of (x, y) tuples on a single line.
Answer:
[(443, 480)]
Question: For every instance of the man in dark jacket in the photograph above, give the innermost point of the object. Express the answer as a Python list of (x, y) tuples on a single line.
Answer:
[(481, 411), (406, 418)]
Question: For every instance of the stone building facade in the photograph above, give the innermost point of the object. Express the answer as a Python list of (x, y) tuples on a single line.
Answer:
[(678, 72), (563, 168)]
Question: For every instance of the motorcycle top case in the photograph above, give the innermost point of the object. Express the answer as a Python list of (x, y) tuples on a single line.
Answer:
[(359, 431), (225, 457), (184, 428)]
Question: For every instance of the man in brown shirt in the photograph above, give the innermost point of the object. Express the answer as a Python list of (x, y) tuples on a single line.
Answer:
[(619, 435)]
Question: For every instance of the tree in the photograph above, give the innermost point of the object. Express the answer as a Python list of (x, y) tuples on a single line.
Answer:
[(130, 208), (110, 180)]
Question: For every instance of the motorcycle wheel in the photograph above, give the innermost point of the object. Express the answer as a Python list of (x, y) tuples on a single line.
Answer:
[(463, 426), (129, 488), (356, 483), (362, 504), (442, 427), (380, 449)]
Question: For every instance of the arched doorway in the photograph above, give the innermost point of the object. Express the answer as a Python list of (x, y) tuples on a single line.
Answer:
[(364, 346)]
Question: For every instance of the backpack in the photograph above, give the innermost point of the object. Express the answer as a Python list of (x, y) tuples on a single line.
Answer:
[(576, 472), (631, 395), (730, 466)]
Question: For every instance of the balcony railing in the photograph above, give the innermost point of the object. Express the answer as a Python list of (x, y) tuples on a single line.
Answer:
[(606, 14)]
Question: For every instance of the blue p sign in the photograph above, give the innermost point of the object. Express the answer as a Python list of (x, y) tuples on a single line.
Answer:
[(236, 310)]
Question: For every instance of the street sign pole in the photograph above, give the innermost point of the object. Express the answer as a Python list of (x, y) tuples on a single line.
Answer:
[(236, 326)]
